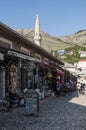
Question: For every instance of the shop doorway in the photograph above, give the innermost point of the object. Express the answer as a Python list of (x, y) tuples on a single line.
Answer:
[(24, 75), (2, 82)]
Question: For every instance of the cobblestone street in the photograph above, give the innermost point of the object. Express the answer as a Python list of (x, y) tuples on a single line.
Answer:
[(56, 113)]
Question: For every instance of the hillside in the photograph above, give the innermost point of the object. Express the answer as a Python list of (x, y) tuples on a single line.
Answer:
[(56, 43), (78, 38), (74, 43), (48, 42)]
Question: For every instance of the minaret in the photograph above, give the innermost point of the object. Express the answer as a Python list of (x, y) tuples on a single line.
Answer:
[(37, 35)]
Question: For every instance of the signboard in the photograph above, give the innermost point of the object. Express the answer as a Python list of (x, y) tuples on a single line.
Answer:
[(5, 43), (38, 57), (46, 60), (24, 50), (20, 55), (32, 103)]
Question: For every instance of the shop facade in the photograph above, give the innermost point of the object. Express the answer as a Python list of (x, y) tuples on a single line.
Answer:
[(22, 62), (16, 68)]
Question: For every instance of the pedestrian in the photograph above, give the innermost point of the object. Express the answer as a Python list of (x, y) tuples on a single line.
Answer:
[(78, 88), (58, 87)]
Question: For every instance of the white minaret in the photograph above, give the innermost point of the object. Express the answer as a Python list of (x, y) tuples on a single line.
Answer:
[(37, 35)]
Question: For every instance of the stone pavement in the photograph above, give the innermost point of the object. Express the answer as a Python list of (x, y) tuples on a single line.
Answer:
[(56, 113)]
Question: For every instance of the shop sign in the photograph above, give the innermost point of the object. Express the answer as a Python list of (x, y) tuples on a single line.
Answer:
[(38, 57), (1, 56), (5, 43), (46, 61), (31, 102), (24, 50), (20, 55)]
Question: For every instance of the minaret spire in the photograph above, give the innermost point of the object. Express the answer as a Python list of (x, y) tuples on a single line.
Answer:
[(37, 35)]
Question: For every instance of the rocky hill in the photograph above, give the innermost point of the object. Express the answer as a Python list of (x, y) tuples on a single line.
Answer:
[(78, 38), (57, 43), (48, 42)]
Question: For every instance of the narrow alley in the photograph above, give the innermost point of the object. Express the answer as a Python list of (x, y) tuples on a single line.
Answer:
[(56, 113)]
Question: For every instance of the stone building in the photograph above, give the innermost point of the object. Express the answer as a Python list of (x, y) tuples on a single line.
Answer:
[(20, 60)]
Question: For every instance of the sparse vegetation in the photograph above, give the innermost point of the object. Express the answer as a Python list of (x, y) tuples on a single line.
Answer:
[(71, 59), (75, 57)]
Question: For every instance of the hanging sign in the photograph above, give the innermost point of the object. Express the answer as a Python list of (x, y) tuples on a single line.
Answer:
[(20, 55)]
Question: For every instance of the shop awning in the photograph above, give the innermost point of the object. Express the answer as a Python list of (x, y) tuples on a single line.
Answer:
[(60, 72), (50, 66), (20, 55)]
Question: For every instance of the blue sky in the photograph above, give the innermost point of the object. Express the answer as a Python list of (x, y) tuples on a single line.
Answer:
[(57, 17)]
